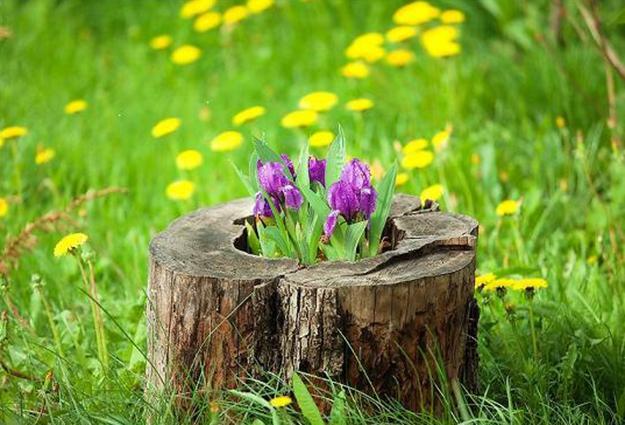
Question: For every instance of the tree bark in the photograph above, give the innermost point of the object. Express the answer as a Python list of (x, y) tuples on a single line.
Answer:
[(389, 325)]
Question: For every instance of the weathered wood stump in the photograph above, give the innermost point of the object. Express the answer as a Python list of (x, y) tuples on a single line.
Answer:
[(217, 313)]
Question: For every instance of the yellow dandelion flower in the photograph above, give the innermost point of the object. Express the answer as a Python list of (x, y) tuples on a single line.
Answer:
[(185, 54), (414, 146), (475, 159), (401, 179), (258, 6), (560, 122), (366, 46), (418, 159), (280, 401), (248, 114), (443, 49), (442, 32), (180, 190), (69, 243), (433, 192), (75, 106), (485, 279), (321, 139), (401, 33), (207, 21), (214, 406), (226, 141), (357, 70), (193, 8), (400, 57), (507, 207), (13, 132), (189, 159), (4, 207), (165, 127), (44, 155), (452, 16), (526, 283), (415, 13), (161, 42), (373, 54), (301, 118), (441, 41), (235, 14), (499, 283), (359, 105), (440, 140), (319, 101), (371, 38)]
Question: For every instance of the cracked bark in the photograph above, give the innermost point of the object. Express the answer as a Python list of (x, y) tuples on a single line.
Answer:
[(217, 314)]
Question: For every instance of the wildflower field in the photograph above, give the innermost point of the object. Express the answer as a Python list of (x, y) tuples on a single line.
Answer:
[(118, 116)]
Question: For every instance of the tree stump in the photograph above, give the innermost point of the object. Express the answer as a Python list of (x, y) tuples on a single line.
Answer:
[(217, 313)]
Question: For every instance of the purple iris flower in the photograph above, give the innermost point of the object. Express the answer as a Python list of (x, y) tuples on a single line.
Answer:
[(368, 200), (271, 177), (292, 197), (330, 224), (317, 170), (357, 174), (352, 196), (262, 207), (343, 198)]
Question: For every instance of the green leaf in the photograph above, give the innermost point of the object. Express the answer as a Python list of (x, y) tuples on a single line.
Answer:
[(252, 239), (264, 152), (267, 245), (245, 179), (303, 179), (305, 401), (284, 234), (352, 238), (318, 204), (315, 231), (330, 252), (335, 158), (253, 398), (252, 171), (337, 415), (258, 422), (386, 190), (276, 236), (620, 405)]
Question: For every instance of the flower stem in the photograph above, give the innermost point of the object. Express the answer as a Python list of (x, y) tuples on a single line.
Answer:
[(91, 289), (17, 172), (533, 330)]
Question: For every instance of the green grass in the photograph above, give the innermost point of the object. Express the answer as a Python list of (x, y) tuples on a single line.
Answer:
[(502, 95)]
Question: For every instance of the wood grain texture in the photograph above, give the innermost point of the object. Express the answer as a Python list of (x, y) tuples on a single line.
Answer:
[(217, 314)]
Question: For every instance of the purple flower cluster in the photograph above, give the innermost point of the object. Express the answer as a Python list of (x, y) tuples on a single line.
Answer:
[(279, 186), (352, 196), (317, 170)]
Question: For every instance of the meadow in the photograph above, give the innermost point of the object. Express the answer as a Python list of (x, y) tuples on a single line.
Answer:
[(520, 106)]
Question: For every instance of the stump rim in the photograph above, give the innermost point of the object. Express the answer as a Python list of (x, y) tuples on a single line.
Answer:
[(285, 267)]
